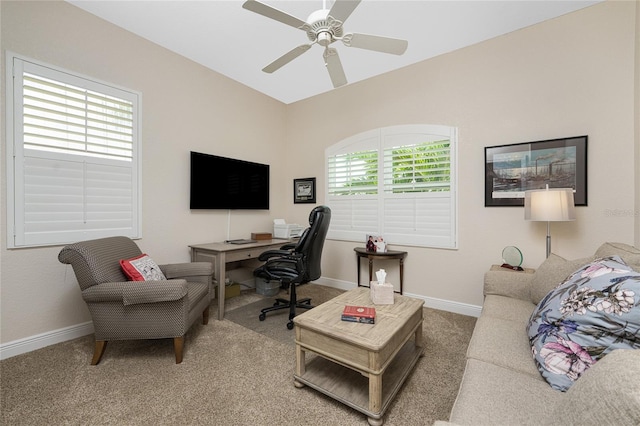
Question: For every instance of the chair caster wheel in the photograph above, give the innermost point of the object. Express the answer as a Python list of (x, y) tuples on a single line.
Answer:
[(262, 316), (290, 325)]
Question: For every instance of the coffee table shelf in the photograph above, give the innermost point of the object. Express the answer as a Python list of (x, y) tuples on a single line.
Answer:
[(351, 388)]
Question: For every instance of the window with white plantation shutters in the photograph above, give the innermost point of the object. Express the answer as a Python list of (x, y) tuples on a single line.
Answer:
[(74, 163), (398, 182)]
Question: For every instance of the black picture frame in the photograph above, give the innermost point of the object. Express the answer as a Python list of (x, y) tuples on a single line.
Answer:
[(304, 190), (512, 169)]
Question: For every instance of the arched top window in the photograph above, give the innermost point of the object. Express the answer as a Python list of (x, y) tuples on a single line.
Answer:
[(398, 182)]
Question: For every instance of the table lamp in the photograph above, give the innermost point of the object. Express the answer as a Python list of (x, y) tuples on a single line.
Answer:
[(549, 205)]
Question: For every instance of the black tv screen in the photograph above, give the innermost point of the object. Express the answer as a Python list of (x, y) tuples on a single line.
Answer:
[(227, 183)]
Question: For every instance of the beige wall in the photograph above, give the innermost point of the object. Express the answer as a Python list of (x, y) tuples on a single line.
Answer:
[(570, 76), (185, 107)]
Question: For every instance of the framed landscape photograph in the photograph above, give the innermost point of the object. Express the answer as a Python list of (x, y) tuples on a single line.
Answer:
[(510, 170), (304, 190)]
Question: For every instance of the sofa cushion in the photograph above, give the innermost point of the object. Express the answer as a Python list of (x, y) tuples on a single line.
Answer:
[(596, 310), (629, 254), (142, 268), (608, 392), (551, 273), (503, 343), (492, 395), (508, 308)]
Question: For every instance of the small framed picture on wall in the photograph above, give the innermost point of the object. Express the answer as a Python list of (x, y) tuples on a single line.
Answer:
[(304, 190)]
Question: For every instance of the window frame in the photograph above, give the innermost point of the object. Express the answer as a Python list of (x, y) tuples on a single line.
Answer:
[(15, 156), (373, 214)]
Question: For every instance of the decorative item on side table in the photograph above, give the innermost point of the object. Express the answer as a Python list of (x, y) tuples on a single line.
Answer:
[(381, 292), (376, 244), (304, 190), (512, 258)]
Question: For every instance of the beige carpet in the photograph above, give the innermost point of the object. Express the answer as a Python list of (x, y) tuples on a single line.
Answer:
[(275, 324), (230, 375)]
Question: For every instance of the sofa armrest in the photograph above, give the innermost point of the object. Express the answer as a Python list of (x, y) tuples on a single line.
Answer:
[(136, 292), (508, 283), (190, 269)]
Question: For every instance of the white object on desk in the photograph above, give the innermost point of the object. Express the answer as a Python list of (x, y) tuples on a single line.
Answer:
[(286, 230)]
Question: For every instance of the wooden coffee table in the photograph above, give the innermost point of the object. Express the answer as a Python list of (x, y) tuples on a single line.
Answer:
[(360, 365)]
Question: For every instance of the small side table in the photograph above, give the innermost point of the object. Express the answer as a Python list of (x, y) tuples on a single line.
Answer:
[(387, 255)]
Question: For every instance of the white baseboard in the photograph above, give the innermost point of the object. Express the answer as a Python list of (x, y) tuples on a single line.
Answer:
[(449, 306), (28, 344), (330, 282), (429, 302)]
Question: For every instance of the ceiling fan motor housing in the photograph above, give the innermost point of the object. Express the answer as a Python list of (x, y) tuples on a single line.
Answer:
[(323, 28)]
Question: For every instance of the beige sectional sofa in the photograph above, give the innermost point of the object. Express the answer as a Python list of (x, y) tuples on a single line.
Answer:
[(501, 383)]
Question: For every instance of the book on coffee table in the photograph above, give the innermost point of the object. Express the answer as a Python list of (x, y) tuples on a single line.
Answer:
[(363, 314)]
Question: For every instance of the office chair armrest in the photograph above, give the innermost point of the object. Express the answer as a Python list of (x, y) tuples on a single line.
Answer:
[(289, 246), (290, 267), (269, 254)]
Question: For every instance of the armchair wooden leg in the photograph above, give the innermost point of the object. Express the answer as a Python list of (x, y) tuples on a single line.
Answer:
[(98, 351), (178, 346), (205, 316)]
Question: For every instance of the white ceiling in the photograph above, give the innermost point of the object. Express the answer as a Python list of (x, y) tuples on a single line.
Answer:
[(237, 43)]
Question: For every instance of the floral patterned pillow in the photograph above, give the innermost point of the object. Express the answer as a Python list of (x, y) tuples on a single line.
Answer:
[(594, 311)]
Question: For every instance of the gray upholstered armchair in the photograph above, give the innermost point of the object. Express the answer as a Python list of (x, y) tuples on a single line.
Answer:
[(130, 310)]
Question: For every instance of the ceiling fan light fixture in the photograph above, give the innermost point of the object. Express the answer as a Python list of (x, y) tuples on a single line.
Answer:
[(325, 38)]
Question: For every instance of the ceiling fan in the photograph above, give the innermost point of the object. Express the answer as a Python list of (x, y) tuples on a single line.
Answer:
[(324, 27)]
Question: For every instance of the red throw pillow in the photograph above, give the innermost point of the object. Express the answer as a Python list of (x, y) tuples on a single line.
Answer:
[(142, 268)]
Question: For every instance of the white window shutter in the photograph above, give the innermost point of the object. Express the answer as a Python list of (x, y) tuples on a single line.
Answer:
[(415, 199), (75, 141)]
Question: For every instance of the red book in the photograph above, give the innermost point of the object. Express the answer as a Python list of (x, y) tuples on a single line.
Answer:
[(363, 314)]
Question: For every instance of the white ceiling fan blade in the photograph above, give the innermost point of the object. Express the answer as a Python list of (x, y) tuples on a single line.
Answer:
[(273, 13), (394, 46), (286, 58), (342, 9), (334, 66)]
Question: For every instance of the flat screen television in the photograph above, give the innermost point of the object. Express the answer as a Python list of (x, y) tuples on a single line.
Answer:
[(227, 183)]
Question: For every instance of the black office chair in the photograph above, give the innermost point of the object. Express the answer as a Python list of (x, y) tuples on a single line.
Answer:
[(295, 264)]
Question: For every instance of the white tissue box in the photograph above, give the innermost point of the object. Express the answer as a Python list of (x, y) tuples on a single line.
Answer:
[(381, 294)]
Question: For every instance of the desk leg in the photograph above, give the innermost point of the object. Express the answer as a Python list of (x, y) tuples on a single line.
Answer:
[(370, 271), (220, 276), (358, 265), (401, 274)]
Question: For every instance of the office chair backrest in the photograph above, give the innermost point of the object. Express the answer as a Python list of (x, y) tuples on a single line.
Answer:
[(312, 241)]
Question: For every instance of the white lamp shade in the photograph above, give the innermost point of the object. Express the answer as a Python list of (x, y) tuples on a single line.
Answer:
[(549, 205)]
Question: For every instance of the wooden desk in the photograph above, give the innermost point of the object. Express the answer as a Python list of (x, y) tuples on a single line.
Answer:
[(222, 253), (371, 255)]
